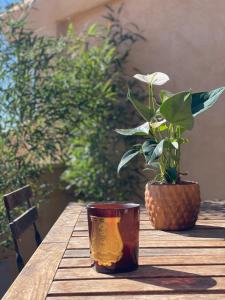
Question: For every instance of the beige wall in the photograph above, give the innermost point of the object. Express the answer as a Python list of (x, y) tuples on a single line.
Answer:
[(46, 15), (186, 40)]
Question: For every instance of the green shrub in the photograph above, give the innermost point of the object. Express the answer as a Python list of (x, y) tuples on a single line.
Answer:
[(91, 171), (60, 99), (31, 134)]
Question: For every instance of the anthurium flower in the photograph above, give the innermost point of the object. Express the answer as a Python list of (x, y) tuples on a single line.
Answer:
[(157, 78)]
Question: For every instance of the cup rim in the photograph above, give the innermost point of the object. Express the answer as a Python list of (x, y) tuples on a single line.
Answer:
[(112, 205)]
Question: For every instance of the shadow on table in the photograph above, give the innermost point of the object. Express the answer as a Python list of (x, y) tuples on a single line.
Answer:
[(167, 278), (213, 209), (203, 231)]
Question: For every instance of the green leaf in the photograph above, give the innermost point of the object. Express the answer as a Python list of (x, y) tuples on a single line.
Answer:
[(134, 151), (204, 100), (157, 152), (157, 124), (92, 30), (163, 127), (146, 113), (140, 130), (147, 148), (182, 140), (171, 175), (177, 110), (164, 95), (175, 144)]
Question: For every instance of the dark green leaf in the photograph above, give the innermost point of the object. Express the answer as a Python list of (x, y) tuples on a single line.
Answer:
[(171, 175), (204, 100), (127, 157), (157, 152), (177, 110), (147, 148)]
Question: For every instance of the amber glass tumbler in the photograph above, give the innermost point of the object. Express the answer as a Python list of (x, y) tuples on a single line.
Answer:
[(114, 236)]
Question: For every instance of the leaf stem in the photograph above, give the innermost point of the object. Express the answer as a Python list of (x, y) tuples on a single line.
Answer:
[(178, 136), (149, 96)]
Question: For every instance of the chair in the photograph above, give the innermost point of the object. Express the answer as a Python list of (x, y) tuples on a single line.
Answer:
[(25, 220)]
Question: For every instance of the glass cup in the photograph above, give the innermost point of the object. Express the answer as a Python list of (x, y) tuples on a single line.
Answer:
[(114, 236)]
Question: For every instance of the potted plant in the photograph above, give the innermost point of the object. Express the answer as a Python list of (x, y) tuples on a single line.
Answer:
[(172, 203)]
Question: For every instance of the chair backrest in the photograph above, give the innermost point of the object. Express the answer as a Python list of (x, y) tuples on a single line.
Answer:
[(20, 224)]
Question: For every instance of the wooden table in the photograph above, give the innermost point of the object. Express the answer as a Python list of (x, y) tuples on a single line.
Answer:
[(173, 265)]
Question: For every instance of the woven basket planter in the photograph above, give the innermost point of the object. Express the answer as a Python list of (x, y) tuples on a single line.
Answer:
[(173, 206)]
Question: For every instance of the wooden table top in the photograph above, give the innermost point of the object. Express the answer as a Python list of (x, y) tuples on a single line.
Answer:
[(173, 265)]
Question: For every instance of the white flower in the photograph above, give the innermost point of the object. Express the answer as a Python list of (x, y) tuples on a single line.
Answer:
[(157, 78)]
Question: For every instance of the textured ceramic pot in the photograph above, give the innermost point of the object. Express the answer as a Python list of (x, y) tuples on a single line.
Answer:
[(173, 206)]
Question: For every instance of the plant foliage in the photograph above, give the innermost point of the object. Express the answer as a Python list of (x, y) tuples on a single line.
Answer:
[(60, 98), (91, 171), (167, 120)]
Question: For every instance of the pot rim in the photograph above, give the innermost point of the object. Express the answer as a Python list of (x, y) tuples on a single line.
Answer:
[(182, 183)]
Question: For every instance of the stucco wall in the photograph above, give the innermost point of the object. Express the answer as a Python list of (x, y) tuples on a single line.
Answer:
[(45, 16), (186, 40)]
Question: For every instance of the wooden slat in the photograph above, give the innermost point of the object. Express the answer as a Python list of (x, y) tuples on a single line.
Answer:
[(183, 260), (148, 242), (144, 271), (75, 262), (80, 233), (20, 224), (69, 216), (57, 234), (156, 252), (154, 260), (180, 251), (80, 253), (210, 224), (78, 243), (209, 216), (146, 225), (197, 232), (36, 278), (166, 296), (137, 286), (84, 226), (144, 220), (60, 232), (80, 228)]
